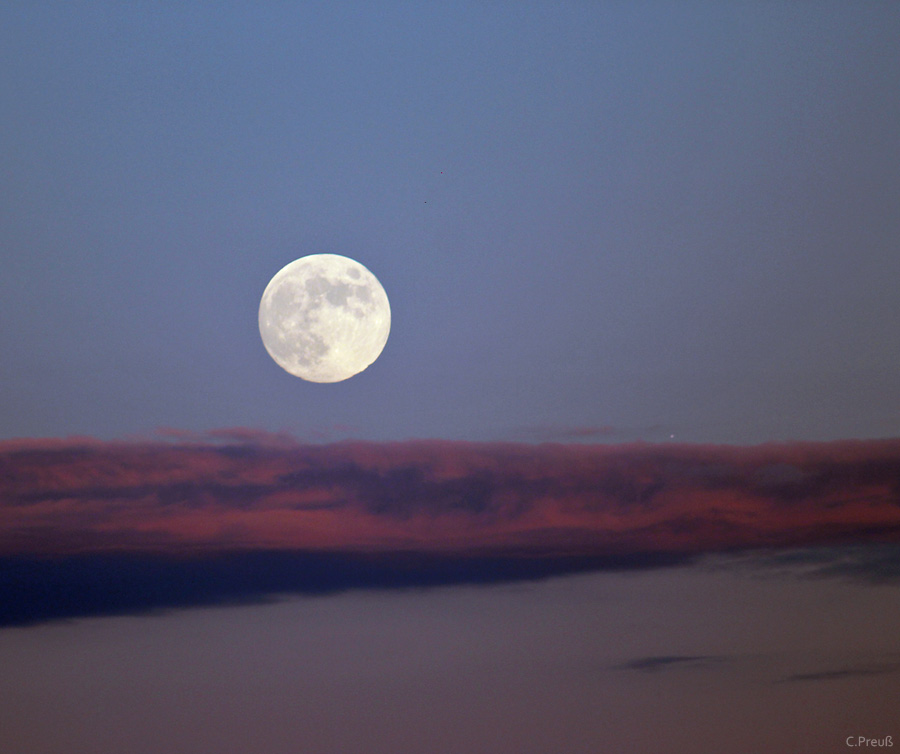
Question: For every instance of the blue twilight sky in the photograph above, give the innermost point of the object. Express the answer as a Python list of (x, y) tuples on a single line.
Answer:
[(657, 218)]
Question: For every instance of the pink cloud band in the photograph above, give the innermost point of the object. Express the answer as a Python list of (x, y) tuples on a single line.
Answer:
[(245, 490)]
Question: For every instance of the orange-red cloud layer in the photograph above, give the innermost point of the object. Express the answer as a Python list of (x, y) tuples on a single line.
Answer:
[(239, 490)]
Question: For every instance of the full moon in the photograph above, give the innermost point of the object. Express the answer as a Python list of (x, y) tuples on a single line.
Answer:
[(324, 318)]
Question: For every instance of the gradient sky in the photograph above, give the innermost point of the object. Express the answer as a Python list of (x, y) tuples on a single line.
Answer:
[(626, 219), (597, 222)]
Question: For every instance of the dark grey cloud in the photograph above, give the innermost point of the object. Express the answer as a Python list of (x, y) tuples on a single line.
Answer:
[(657, 663), (35, 590), (872, 563), (842, 673)]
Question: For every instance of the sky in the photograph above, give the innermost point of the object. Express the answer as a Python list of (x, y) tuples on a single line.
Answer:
[(626, 476), (654, 218)]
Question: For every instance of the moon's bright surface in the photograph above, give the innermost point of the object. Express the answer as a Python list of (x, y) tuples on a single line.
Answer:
[(324, 318)]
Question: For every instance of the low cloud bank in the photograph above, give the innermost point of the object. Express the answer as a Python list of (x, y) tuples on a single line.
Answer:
[(89, 527)]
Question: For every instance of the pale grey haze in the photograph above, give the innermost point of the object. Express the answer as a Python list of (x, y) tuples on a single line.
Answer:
[(715, 658)]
